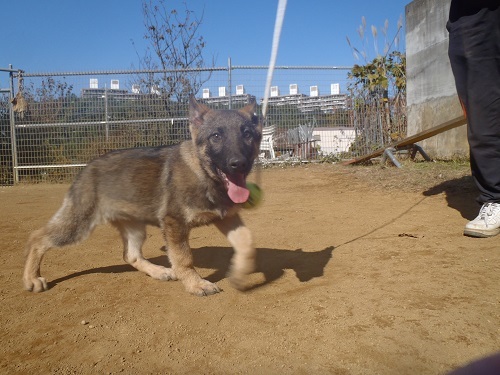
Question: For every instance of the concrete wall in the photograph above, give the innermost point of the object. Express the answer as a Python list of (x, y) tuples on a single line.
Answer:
[(431, 93)]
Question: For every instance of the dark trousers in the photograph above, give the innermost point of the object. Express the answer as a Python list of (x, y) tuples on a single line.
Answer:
[(474, 52)]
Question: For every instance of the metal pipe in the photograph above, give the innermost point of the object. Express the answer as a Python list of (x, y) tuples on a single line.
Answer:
[(13, 138), (116, 122), (10, 70), (106, 112), (229, 69), (389, 153), (50, 166), (146, 71)]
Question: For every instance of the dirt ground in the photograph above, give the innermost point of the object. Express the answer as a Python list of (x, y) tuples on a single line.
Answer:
[(361, 270)]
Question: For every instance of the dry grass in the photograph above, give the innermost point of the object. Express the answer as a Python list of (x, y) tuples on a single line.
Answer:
[(417, 175)]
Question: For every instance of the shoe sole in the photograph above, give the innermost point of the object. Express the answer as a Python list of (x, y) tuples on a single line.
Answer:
[(481, 233)]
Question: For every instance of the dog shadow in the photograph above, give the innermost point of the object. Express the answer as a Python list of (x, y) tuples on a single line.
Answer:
[(460, 195), (272, 263)]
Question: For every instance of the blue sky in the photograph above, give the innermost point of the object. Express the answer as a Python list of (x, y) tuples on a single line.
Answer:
[(96, 35)]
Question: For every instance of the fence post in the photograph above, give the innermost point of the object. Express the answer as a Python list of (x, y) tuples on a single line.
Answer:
[(13, 138), (229, 82), (106, 112)]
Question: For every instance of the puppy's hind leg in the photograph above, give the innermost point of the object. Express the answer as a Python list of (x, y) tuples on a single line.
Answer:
[(133, 236), (38, 243), (69, 225)]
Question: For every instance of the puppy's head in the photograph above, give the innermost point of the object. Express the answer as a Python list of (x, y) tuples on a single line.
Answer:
[(227, 142)]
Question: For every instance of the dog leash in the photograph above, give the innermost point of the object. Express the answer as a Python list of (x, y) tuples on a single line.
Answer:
[(280, 15), (278, 24)]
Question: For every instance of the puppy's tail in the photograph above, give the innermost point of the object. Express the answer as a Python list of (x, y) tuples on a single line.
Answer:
[(74, 221)]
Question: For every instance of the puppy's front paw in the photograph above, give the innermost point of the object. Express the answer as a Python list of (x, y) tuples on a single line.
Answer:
[(239, 282)]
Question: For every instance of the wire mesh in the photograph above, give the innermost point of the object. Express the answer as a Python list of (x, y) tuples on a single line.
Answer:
[(6, 175), (61, 121)]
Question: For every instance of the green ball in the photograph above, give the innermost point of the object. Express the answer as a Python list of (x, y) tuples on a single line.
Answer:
[(255, 196)]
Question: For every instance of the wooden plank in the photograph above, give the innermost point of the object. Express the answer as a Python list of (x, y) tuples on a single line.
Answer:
[(454, 123)]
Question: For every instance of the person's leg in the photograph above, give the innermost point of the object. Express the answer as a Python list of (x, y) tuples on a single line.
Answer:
[(482, 48), (474, 52)]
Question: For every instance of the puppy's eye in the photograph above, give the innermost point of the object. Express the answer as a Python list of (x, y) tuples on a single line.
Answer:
[(216, 137), (247, 134)]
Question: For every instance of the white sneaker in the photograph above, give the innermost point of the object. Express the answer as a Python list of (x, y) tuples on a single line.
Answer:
[(487, 223)]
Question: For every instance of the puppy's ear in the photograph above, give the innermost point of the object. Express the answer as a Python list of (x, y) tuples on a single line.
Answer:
[(249, 108), (196, 111)]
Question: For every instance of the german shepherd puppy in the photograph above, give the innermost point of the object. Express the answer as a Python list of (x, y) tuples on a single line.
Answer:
[(176, 188)]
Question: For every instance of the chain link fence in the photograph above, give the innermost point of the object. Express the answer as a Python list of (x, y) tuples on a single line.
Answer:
[(53, 124)]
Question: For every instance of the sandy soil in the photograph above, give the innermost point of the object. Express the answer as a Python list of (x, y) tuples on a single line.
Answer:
[(362, 270)]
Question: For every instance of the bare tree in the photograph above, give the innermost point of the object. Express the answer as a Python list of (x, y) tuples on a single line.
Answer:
[(176, 48)]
